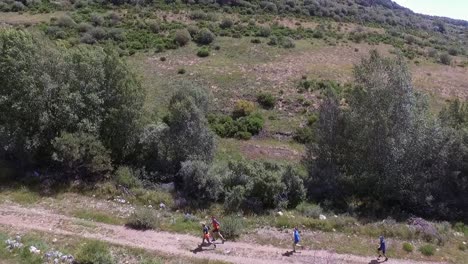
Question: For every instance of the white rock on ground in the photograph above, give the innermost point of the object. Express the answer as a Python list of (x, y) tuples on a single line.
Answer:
[(322, 217)]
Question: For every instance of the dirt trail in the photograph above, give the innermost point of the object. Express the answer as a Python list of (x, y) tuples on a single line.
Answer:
[(24, 219)]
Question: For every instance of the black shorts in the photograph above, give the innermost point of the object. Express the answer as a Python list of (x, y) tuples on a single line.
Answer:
[(381, 249), (215, 230)]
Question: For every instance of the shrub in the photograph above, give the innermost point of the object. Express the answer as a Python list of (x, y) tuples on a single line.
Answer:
[(162, 59), (408, 247), (203, 52), (66, 21), (288, 43), (264, 31), (87, 39), (232, 226), (427, 250), (317, 34), (295, 191), (243, 108), (205, 37), (193, 30), (143, 219), (309, 210), (84, 27), (234, 198), (304, 135), (198, 183), (96, 20), (116, 34), (453, 51), (445, 59), (153, 26), (182, 37), (226, 23), (462, 247), (98, 33), (181, 71), (432, 53), (244, 135), (273, 41), (252, 123), (266, 100), (94, 252), (256, 41), (124, 176)]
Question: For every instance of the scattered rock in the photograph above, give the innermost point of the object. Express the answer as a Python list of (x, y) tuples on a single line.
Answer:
[(54, 240), (162, 206), (14, 243), (464, 242), (58, 257), (120, 200), (279, 213), (150, 206), (458, 234), (322, 217), (34, 250)]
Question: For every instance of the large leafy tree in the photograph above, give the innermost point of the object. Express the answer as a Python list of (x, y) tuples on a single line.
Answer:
[(47, 90)]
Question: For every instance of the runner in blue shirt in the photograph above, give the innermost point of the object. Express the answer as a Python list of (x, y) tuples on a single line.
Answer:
[(297, 238), (382, 248)]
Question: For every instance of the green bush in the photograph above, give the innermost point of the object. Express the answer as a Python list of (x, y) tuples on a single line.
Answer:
[(94, 252), (295, 191), (124, 176), (252, 123), (427, 250), (204, 37), (226, 23), (255, 41), (243, 108), (273, 41), (182, 37), (266, 100), (244, 135), (462, 247), (193, 30), (232, 226), (264, 31), (66, 22), (408, 247), (143, 219), (287, 43), (309, 210), (445, 59), (198, 183), (203, 52), (304, 135)]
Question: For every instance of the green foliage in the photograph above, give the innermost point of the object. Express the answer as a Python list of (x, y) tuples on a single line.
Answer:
[(226, 23), (241, 128), (445, 59), (232, 226), (391, 169), (408, 247), (203, 52), (309, 210), (266, 100), (253, 186), (255, 41), (264, 31), (427, 250), (204, 37), (125, 176), (81, 155), (82, 100), (143, 219), (295, 191), (243, 108), (94, 252), (199, 184), (288, 43), (182, 37)]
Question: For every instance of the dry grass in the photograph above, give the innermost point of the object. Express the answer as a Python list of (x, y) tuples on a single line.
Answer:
[(14, 18)]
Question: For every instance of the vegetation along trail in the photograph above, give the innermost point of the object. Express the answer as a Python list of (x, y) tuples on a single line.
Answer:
[(26, 219)]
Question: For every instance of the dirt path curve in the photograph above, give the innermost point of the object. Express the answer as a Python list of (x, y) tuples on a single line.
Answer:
[(23, 219)]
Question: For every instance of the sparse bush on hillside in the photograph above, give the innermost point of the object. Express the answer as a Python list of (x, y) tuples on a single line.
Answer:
[(193, 30), (445, 59), (232, 226), (267, 100), (264, 31), (310, 210), (94, 252), (143, 219), (66, 21), (295, 192), (153, 26), (288, 43), (255, 41), (203, 52), (97, 20), (226, 23), (125, 176), (243, 108), (427, 250), (204, 37), (408, 247), (182, 37)]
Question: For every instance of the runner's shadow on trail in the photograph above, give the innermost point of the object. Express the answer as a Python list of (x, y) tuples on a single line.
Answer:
[(376, 261), (200, 249), (288, 253)]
